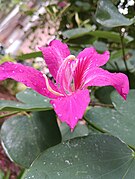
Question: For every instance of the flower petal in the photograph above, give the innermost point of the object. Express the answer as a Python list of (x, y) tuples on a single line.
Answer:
[(100, 77), (88, 59), (27, 75), (95, 59), (54, 54), (71, 108)]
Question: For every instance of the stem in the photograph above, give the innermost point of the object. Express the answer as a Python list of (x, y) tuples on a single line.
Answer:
[(92, 103), (123, 49), (6, 115), (9, 114), (117, 66)]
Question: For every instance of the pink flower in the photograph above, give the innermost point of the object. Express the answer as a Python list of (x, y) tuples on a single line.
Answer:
[(69, 95)]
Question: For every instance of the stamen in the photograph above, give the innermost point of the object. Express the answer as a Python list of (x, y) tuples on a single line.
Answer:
[(70, 57), (64, 74), (71, 79), (49, 87)]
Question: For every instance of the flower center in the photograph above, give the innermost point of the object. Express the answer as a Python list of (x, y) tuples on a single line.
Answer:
[(65, 73), (64, 79)]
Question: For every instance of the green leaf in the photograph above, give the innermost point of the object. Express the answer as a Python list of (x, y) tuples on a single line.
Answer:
[(29, 55), (100, 46), (79, 131), (7, 105), (83, 6), (96, 156), (24, 138), (103, 94), (29, 101), (108, 15), (30, 96), (112, 36), (76, 32), (85, 36), (118, 121)]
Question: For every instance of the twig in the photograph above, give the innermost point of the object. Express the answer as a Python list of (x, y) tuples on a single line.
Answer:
[(92, 103), (123, 49), (9, 114)]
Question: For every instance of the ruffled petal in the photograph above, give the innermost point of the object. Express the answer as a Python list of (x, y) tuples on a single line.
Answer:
[(71, 108), (100, 77), (27, 75), (95, 59), (54, 54), (88, 59)]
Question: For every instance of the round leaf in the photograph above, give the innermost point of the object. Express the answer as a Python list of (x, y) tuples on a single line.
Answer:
[(24, 138), (119, 121), (96, 156)]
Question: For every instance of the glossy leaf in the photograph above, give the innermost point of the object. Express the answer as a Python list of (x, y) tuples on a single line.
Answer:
[(28, 136), (108, 15), (118, 121), (29, 96), (95, 156), (103, 94), (7, 105), (29, 101), (79, 131)]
